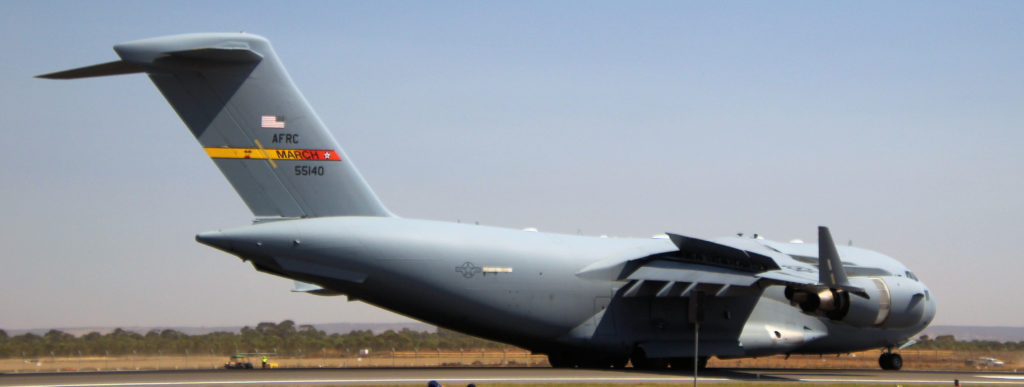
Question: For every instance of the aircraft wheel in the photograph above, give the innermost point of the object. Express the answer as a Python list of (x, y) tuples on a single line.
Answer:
[(686, 363), (641, 361), (560, 361), (610, 361), (619, 362), (602, 361), (890, 361), (594, 362), (895, 362)]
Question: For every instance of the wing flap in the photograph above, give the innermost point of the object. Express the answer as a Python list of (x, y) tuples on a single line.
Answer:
[(697, 264), (679, 272), (664, 279)]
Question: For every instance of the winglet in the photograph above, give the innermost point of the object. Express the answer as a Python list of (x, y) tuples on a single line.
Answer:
[(830, 267)]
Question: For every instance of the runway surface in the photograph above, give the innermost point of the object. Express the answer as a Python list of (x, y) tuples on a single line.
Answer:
[(462, 376)]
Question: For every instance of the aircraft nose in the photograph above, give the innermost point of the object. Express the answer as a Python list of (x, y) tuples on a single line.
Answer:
[(930, 308)]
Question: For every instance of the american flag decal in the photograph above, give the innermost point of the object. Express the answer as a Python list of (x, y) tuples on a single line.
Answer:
[(273, 122)]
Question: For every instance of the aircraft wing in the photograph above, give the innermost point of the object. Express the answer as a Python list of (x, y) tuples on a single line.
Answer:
[(700, 265)]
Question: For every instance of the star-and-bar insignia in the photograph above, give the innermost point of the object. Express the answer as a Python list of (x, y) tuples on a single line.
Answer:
[(468, 269)]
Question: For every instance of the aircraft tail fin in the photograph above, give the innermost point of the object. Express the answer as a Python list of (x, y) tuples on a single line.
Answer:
[(237, 99)]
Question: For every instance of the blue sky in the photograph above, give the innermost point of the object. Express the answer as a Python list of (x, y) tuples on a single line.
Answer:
[(897, 125)]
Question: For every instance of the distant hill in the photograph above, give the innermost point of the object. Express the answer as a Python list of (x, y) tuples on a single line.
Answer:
[(330, 328), (968, 333)]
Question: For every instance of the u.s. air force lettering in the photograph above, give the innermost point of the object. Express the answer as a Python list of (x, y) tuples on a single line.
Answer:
[(468, 269)]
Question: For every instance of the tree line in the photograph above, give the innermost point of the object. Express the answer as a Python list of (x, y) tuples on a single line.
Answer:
[(285, 338), (288, 339), (950, 342)]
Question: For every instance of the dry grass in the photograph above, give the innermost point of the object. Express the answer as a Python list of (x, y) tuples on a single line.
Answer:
[(400, 359), (912, 359), (617, 384)]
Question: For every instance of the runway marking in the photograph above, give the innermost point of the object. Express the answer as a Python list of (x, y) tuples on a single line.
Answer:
[(365, 381), (1002, 377), (909, 381)]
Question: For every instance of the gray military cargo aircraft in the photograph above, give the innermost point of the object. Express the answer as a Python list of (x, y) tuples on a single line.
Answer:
[(583, 301)]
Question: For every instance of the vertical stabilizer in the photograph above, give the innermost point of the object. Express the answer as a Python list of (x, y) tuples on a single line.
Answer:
[(237, 99)]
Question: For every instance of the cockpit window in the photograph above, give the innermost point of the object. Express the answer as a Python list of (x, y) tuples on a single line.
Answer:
[(911, 275)]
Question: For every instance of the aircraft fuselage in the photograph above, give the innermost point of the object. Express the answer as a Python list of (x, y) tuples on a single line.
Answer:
[(525, 288)]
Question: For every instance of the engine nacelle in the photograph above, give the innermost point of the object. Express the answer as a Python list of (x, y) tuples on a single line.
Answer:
[(841, 305)]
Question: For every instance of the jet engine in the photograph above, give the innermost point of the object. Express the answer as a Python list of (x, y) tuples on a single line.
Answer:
[(870, 308)]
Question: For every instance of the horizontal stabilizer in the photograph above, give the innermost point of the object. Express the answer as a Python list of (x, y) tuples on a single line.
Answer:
[(121, 67), (118, 67)]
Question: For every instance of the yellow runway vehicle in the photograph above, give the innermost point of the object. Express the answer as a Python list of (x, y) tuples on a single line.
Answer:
[(240, 361)]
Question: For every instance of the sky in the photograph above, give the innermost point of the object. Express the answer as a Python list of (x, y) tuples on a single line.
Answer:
[(898, 125)]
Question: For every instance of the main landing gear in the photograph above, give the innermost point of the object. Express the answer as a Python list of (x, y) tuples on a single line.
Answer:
[(581, 360), (641, 361), (890, 361)]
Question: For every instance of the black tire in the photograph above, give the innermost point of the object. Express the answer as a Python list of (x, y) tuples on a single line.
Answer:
[(594, 362), (642, 362), (620, 362), (570, 359), (686, 363), (890, 361), (560, 361), (895, 362)]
